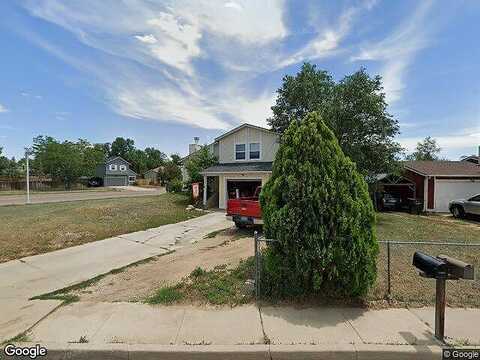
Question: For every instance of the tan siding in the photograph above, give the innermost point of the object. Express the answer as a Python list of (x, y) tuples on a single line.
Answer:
[(268, 141)]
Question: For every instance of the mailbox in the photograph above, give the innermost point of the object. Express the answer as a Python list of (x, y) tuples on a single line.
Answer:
[(458, 269), (442, 268), (429, 266)]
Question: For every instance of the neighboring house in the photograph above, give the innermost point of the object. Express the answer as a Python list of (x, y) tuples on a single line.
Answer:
[(152, 175), (245, 155), (436, 183), (472, 158), (192, 149), (116, 172)]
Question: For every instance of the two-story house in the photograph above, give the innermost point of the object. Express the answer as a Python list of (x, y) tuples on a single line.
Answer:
[(245, 157), (115, 171)]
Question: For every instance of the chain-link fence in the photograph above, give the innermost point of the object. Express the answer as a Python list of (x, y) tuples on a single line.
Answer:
[(398, 280)]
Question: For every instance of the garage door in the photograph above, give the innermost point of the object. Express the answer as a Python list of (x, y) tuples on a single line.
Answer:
[(448, 190), (116, 181)]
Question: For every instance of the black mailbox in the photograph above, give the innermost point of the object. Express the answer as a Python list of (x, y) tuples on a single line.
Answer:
[(442, 268), (429, 266), (458, 269)]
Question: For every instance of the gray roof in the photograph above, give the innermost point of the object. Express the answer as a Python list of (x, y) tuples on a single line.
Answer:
[(239, 167), (443, 168), (155, 170), (111, 158)]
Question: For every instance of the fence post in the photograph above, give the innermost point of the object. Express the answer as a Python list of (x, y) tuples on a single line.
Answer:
[(389, 288)]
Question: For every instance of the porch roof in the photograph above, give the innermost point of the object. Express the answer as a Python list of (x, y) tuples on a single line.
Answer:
[(238, 167)]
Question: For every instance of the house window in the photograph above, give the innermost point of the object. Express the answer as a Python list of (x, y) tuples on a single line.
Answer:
[(123, 168), (240, 151), (131, 178), (113, 167), (254, 151)]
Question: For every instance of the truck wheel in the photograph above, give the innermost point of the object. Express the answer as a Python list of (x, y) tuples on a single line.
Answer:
[(458, 212), (240, 225)]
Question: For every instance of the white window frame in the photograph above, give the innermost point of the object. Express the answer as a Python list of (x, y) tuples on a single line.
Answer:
[(123, 167), (113, 167), (259, 150), (235, 152)]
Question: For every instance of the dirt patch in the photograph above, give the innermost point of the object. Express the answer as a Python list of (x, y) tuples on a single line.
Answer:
[(138, 282)]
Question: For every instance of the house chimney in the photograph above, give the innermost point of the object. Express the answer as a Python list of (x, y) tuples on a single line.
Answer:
[(195, 146)]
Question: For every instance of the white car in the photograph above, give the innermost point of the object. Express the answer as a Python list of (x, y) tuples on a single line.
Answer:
[(460, 208)]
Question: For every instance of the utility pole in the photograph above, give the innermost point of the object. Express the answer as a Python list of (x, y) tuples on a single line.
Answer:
[(27, 155)]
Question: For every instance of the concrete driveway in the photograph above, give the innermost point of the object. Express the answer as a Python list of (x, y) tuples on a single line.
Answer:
[(78, 195), (35, 275)]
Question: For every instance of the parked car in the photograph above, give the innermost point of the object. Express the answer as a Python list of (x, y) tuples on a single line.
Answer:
[(245, 210), (460, 208), (95, 182), (390, 202)]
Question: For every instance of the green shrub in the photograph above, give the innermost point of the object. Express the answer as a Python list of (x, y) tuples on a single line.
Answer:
[(317, 206), (166, 295), (197, 272), (174, 186)]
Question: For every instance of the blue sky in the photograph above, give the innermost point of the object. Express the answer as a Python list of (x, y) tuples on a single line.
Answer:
[(162, 72)]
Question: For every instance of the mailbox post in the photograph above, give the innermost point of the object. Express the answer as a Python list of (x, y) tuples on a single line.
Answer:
[(441, 268), (440, 301)]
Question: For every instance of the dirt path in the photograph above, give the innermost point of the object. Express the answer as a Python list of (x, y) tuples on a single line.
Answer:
[(137, 282)]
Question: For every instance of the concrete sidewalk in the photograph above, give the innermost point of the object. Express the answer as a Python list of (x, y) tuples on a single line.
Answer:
[(35, 275), (144, 331)]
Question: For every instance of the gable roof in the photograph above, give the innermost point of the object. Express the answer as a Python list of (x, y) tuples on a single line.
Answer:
[(240, 127), (472, 158), (156, 170), (443, 168), (111, 158)]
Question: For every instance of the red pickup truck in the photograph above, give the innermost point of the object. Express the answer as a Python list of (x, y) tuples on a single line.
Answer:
[(246, 210)]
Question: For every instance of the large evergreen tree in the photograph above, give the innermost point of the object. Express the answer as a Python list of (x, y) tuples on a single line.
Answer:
[(316, 204)]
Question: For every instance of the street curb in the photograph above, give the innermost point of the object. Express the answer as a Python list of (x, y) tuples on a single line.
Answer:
[(91, 351)]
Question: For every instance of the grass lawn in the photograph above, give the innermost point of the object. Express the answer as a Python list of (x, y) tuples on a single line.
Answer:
[(39, 228), (227, 286)]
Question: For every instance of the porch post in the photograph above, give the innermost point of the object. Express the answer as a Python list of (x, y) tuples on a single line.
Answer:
[(205, 191)]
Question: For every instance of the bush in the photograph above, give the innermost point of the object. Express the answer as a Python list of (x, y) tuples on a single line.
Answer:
[(317, 206), (176, 185)]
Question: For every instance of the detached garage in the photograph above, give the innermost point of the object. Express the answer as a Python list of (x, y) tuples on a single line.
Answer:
[(439, 182)]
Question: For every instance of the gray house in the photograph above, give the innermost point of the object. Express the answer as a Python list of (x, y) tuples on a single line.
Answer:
[(152, 175), (116, 172)]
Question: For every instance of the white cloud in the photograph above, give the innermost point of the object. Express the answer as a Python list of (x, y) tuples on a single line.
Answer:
[(3, 109), (465, 141), (172, 47), (397, 51), (233, 5), (148, 39)]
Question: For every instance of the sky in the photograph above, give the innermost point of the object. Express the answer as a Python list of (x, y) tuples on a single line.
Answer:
[(161, 72)]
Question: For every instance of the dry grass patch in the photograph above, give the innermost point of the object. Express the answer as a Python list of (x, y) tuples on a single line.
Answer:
[(40, 228)]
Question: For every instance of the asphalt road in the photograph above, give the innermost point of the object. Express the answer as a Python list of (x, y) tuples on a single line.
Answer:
[(75, 196)]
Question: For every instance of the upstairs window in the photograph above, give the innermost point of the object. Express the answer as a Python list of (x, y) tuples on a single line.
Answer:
[(254, 151), (113, 167), (123, 168), (240, 151)]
